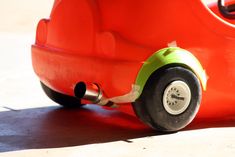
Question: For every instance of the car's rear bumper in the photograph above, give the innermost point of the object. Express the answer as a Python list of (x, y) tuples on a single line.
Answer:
[(62, 70)]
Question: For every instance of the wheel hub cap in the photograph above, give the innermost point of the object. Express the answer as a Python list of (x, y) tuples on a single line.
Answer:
[(176, 97)]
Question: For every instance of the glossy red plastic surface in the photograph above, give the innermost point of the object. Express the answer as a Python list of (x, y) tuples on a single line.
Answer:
[(107, 42)]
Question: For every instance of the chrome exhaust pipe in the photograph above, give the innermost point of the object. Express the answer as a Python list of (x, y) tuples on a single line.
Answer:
[(91, 92)]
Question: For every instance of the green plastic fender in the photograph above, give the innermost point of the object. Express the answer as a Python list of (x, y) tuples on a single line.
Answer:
[(171, 55)]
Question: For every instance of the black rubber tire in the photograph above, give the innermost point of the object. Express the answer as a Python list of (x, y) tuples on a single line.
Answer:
[(62, 99), (149, 106)]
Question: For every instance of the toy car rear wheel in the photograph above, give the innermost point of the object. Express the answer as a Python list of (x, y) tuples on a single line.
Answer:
[(62, 99), (170, 99)]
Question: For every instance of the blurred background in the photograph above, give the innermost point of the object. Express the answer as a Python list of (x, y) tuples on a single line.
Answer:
[(18, 22), (22, 16)]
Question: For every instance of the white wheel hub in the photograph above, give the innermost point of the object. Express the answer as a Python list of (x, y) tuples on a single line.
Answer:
[(176, 97)]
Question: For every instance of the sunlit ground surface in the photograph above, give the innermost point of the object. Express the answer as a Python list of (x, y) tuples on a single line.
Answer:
[(33, 125)]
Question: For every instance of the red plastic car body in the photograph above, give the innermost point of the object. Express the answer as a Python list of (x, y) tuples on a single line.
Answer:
[(108, 43)]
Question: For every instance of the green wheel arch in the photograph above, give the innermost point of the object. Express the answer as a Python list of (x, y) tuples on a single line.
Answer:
[(167, 56)]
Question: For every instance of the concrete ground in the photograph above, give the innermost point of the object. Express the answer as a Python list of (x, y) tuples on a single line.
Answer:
[(33, 125)]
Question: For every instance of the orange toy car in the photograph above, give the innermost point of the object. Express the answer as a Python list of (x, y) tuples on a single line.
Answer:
[(157, 55)]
